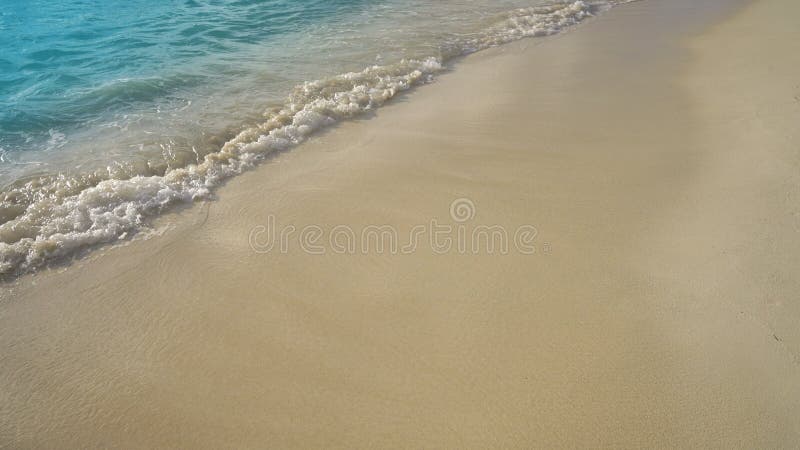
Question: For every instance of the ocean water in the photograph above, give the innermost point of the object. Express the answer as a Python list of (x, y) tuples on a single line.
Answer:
[(112, 111)]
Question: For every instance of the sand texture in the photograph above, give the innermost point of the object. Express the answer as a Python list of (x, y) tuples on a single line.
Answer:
[(653, 149)]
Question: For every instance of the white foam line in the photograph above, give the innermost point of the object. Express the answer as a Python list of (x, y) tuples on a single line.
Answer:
[(58, 222)]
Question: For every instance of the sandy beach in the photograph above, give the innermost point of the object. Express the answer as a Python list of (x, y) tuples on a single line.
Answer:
[(654, 151)]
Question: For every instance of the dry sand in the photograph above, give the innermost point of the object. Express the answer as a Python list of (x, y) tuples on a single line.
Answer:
[(655, 150)]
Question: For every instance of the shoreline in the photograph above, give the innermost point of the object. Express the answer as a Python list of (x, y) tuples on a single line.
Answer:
[(53, 217), (657, 170)]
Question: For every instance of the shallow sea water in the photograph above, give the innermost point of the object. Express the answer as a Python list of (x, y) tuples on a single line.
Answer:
[(111, 112)]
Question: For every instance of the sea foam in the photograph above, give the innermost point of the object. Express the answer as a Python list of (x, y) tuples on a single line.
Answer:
[(51, 218)]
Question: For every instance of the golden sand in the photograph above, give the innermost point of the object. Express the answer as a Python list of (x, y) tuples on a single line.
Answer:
[(655, 155)]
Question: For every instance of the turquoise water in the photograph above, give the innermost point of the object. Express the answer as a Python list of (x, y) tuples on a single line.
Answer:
[(70, 63), (112, 111), (65, 62)]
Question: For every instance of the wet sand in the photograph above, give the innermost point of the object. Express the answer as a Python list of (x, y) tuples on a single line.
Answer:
[(654, 151)]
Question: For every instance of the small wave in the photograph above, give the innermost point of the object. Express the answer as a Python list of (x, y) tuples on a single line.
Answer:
[(52, 217)]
